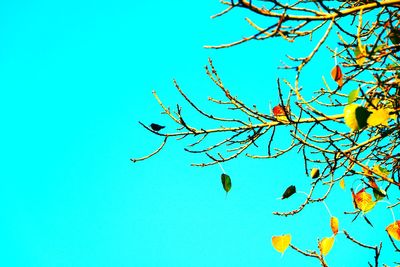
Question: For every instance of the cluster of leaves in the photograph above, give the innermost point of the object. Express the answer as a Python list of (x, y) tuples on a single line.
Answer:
[(359, 142)]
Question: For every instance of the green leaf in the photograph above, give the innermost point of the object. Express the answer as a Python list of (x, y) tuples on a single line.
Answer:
[(379, 193), (362, 115), (353, 96), (381, 170), (379, 48), (226, 182), (289, 192), (394, 36)]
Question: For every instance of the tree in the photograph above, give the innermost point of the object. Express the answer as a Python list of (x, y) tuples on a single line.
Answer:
[(341, 136)]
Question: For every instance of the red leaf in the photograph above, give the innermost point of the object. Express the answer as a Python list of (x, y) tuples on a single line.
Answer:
[(278, 110)]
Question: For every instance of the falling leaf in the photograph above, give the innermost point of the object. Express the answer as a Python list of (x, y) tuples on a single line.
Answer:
[(226, 182), (281, 242), (325, 245), (393, 230), (363, 201), (314, 173), (289, 191), (379, 117), (334, 225), (341, 183), (353, 96), (355, 116), (337, 75)]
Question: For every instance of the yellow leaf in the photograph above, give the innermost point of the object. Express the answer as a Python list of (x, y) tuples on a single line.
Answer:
[(361, 54), (355, 116), (394, 230), (334, 225), (372, 104), (341, 183), (363, 201), (326, 244), (378, 117), (393, 116), (380, 170), (281, 242), (314, 173)]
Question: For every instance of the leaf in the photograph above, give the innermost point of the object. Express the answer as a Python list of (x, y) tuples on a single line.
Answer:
[(281, 242), (394, 36), (355, 116), (325, 245), (393, 230), (353, 96), (380, 170), (314, 173), (289, 192), (372, 183), (372, 104), (278, 110), (379, 48), (379, 193), (334, 225), (226, 182), (362, 115), (337, 75), (279, 113), (361, 54), (341, 183), (363, 201), (379, 117)]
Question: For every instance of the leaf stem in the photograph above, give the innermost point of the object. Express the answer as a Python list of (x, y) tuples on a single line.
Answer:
[(219, 164), (326, 206)]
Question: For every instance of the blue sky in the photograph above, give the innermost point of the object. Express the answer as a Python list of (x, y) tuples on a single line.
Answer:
[(75, 78)]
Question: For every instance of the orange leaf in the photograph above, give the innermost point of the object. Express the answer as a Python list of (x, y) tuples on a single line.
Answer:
[(279, 113), (325, 245), (334, 225), (363, 201), (278, 110), (341, 183), (394, 230), (337, 75), (281, 242)]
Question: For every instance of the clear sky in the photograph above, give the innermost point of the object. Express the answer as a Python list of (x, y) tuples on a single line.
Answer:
[(76, 77)]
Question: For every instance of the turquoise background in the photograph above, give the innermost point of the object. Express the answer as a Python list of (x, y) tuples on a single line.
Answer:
[(77, 76)]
